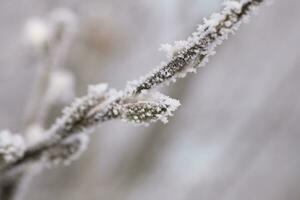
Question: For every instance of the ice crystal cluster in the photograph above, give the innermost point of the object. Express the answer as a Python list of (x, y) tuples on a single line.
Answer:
[(137, 103), (12, 146)]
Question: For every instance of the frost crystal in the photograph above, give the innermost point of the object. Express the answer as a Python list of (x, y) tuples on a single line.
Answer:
[(12, 146), (172, 51)]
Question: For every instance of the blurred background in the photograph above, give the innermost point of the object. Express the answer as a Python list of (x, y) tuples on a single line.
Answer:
[(236, 135)]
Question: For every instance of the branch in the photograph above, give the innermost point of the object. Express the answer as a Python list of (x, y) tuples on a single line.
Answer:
[(135, 103)]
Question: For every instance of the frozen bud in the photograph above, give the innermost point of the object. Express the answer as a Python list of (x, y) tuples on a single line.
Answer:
[(37, 32), (176, 49), (149, 108), (143, 112), (12, 146), (67, 151)]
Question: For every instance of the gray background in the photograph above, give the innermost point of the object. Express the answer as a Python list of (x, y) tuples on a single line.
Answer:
[(236, 135)]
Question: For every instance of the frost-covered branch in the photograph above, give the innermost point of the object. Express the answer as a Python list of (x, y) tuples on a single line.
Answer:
[(186, 56), (137, 103)]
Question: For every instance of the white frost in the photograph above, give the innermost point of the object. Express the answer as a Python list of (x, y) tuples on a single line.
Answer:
[(174, 50), (12, 146)]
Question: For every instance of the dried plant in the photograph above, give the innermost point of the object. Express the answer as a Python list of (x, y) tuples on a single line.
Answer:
[(137, 103)]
